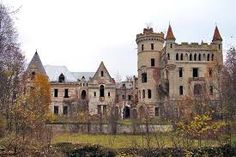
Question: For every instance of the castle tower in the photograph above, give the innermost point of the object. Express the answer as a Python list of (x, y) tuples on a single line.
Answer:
[(35, 66), (217, 43), (150, 45), (170, 43)]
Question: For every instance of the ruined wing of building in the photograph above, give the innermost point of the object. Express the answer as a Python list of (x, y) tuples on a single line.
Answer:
[(167, 73)]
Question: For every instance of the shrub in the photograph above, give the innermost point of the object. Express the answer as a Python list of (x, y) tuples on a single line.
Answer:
[(77, 150)]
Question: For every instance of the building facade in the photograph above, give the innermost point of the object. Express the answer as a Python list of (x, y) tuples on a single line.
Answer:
[(168, 72)]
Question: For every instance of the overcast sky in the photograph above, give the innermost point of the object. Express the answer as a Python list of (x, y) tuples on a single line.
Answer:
[(81, 33)]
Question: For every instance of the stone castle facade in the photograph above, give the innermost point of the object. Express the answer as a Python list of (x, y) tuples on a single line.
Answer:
[(168, 72)]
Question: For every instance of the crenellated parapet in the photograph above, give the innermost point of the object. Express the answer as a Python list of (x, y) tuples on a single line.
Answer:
[(149, 35)]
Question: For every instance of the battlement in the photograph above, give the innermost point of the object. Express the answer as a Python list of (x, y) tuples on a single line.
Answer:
[(149, 34), (194, 45)]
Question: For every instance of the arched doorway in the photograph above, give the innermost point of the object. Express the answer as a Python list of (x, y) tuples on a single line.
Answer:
[(102, 91), (83, 94), (126, 112)]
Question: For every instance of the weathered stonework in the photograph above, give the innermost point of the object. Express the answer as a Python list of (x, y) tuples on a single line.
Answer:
[(167, 72)]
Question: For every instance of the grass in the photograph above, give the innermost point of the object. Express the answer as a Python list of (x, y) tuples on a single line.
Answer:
[(127, 141)]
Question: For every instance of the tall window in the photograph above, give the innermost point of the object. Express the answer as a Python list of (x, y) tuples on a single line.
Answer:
[(102, 73), (157, 111), (190, 57), (102, 91), (181, 57), (177, 56), (199, 57), (143, 93), (61, 78), (66, 93), (168, 56), (195, 72), (65, 110), (195, 57), (180, 72), (109, 94), (56, 110), (181, 90), (94, 94), (152, 62), (129, 97), (152, 46), (212, 57), (208, 57), (171, 45), (144, 77), (149, 94), (142, 47), (55, 93)]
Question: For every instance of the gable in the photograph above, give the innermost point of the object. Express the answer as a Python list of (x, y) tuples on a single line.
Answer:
[(102, 75)]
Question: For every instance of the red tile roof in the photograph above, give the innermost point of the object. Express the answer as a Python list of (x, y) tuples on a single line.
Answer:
[(170, 35), (217, 36)]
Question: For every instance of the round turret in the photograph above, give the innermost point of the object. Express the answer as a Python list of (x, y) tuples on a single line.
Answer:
[(150, 45)]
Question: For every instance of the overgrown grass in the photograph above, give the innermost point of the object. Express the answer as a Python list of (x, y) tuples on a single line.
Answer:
[(158, 140)]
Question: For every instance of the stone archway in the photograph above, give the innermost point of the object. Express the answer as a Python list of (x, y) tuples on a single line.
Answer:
[(126, 112), (83, 94)]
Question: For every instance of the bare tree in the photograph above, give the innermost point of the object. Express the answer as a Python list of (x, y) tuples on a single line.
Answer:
[(11, 64)]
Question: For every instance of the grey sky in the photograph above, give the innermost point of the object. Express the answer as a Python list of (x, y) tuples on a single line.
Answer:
[(81, 33)]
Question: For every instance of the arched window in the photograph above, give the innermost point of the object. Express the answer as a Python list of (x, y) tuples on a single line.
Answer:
[(199, 57), (177, 56), (102, 91), (181, 57), (144, 77), (212, 57), (143, 93), (149, 94), (190, 57), (208, 57), (61, 78), (168, 56), (195, 57), (83, 94)]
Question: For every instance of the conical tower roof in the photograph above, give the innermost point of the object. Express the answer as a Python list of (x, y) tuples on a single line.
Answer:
[(36, 65), (170, 34), (216, 36)]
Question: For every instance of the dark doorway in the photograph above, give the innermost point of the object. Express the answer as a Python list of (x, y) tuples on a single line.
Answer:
[(126, 112), (83, 94)]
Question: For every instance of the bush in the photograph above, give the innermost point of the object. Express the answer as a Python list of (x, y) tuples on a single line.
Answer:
[(77, 150), (224, 151)]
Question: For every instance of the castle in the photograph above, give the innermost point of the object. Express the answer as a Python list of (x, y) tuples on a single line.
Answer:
[(168, 72)]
